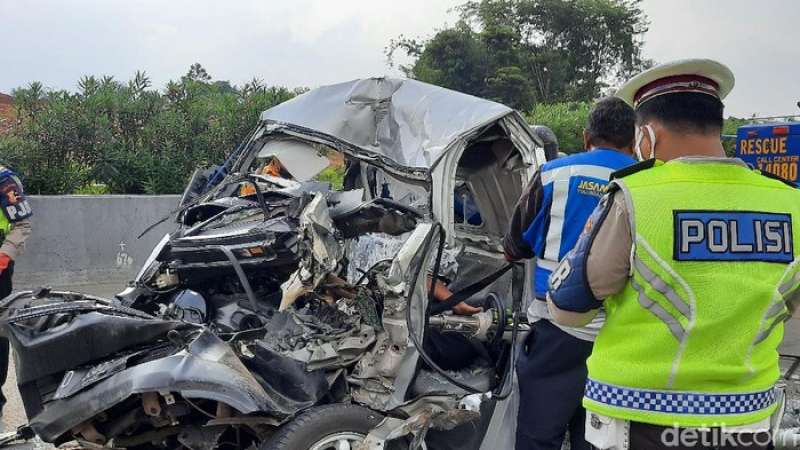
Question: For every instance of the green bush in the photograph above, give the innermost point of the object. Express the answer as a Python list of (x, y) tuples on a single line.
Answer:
[(567, 120), (92, 189), (128, 137), (729, 129)]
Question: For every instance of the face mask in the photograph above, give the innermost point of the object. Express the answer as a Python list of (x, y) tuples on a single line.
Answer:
[(640, 137)]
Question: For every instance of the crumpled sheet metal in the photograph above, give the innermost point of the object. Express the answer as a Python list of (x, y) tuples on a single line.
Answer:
[(791, 388), (370, 248), (317, 227), (367, 250), (208, 368), (319, 339), (406, 121), (298, 387), (316, 223), (791, 418), (438, 412)]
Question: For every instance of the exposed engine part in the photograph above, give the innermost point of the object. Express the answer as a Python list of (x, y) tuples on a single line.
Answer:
[(151, 404), (296, 286), (323, 255), (223, 411), (481, 326), (320, 335), (123, 423), (154, 436), (237, 267), (169, 399), (201, 438), (88, 431), (251, 421), (476, 326)]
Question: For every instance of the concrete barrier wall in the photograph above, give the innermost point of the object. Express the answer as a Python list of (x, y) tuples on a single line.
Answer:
[(80, 239)]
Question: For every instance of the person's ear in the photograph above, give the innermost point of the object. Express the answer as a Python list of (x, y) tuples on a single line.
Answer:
[(586, 145), (630, 148), (649, 139)]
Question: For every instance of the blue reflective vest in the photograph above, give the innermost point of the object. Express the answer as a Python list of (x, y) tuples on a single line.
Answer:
[(572, 187)]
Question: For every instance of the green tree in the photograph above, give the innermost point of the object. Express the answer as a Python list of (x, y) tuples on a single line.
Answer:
[(525, 51), (29, 100), (198, 73)]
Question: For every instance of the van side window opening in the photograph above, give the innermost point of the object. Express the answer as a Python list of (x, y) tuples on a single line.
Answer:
[(489, 180), (466, 210)]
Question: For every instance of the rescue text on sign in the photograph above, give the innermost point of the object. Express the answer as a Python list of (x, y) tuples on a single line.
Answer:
[(769, 152), (763, 146)]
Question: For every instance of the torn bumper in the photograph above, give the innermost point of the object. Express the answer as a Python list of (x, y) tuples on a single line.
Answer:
[(207, 369)]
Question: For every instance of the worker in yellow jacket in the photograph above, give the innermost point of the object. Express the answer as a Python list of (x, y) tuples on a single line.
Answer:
[(15, 228), (692, 255)]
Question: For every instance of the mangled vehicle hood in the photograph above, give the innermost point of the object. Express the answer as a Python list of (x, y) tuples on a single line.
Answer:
[(405, 123)]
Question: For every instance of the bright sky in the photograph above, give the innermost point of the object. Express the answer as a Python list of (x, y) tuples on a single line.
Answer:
[(315, 42)]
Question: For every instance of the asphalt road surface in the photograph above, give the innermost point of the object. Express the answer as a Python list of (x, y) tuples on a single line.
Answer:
[(14, 414)]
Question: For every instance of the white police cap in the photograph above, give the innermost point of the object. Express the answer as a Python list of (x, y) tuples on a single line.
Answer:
[(705, 76)]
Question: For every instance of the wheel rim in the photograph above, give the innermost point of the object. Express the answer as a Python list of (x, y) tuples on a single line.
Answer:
[(338, 441)]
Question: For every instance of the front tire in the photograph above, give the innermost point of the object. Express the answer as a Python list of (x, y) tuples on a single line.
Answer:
[(330, 427)]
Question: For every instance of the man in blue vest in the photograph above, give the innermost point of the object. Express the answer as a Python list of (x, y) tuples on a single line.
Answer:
[(546, 224)]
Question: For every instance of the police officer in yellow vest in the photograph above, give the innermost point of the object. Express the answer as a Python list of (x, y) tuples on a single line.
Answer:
[(15, 228), (693, 257)]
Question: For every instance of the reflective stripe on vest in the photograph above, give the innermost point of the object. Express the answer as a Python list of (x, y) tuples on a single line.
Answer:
[(560, 178), (680, 403), (5, 227), (673, 322), (691, 340), (572, 189)]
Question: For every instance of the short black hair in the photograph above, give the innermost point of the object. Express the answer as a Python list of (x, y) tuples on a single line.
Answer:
[(611, 122), (686, 112)]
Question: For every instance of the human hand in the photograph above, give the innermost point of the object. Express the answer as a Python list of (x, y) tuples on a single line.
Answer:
[(464, 309)]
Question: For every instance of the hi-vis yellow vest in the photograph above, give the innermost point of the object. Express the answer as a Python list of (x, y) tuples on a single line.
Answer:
[(692, 339), (5, 227)]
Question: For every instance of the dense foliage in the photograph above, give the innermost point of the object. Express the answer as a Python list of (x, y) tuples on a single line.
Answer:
[(567, 120), (113, 137), (127, 138), (523, 52)]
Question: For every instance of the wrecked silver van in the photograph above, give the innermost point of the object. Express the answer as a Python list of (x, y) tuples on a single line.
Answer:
[(287, 313)]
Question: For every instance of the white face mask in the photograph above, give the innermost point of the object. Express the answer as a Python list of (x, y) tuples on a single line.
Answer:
[(640, 137)]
